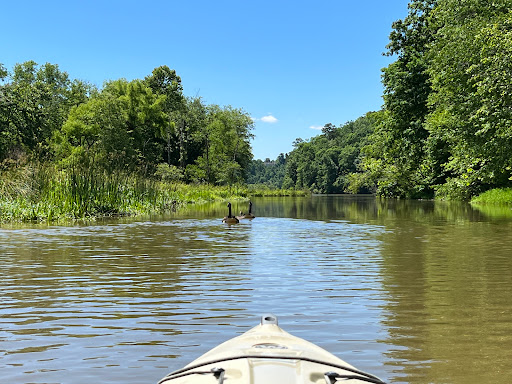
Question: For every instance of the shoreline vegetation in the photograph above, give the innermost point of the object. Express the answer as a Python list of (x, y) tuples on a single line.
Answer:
[(69, 149), (445, 129), (45, 194), (498, 196), (42, 193)]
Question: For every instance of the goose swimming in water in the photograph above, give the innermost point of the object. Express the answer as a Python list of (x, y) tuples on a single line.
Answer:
[(246, 215), (229, 219), (249, 215)]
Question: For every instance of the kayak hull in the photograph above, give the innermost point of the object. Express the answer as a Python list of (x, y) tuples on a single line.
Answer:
[(267, 354)]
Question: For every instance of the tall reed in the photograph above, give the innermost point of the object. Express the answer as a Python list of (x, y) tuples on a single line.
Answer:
[(41, 192)]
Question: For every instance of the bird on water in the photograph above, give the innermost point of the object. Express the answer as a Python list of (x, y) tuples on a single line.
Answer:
[(229, 219), (249, 215)]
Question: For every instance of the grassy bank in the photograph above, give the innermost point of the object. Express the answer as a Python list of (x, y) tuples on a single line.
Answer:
[(43, 193), (260, 190), (500, 196)]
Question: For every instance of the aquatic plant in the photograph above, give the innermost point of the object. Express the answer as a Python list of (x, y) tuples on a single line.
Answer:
[(494, 196)]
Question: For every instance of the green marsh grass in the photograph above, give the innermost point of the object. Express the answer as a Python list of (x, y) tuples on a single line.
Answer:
[(260, 190), (45, 193), (500, 196)]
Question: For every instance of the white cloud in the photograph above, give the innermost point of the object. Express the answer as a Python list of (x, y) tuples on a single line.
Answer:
[(317, 127), (269, 119)]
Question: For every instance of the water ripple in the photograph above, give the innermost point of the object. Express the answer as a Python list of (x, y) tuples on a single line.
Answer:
[(129, 301), (120, 297)]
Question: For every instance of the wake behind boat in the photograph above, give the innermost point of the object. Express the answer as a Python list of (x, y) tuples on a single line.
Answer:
[(267, 354)]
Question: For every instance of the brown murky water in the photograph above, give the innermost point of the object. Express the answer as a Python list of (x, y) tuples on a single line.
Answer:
[(413, 292)]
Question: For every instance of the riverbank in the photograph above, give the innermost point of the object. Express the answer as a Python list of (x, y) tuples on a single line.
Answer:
[(44, 194), (499, 196)]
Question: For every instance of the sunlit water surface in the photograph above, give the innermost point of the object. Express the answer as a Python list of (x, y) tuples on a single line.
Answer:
[(413, 292)]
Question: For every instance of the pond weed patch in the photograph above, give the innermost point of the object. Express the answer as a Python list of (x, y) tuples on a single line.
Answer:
[(499, 196)]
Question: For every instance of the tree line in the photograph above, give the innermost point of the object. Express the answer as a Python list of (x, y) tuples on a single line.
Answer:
[(445, 129), (145, 126)]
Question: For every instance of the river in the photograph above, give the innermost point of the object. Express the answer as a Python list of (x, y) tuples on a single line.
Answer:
[(411, 291)]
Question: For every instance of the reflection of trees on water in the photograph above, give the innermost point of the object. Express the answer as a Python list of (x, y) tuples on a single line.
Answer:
[(448, 276), (356, 208), (449, 280), (359, 209)]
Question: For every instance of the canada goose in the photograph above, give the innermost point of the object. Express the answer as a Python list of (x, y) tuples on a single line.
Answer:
[(247, 215), (230, 219)]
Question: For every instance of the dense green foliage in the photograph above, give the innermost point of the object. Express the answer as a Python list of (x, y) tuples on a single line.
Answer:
[(445, 129), (139, 126), (269, 172), (68, 149), (325, 163), (470, 66), (395, 155), (494, 196), (447, 126)]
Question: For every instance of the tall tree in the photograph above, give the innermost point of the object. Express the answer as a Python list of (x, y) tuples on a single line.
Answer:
[(95, 136), (34, 103), (226, 149), (165, 81), (470, 69), (145, 120), (398, 144), (119, 128)]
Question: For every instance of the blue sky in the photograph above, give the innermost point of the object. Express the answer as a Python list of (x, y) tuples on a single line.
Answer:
[(292, 65)]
